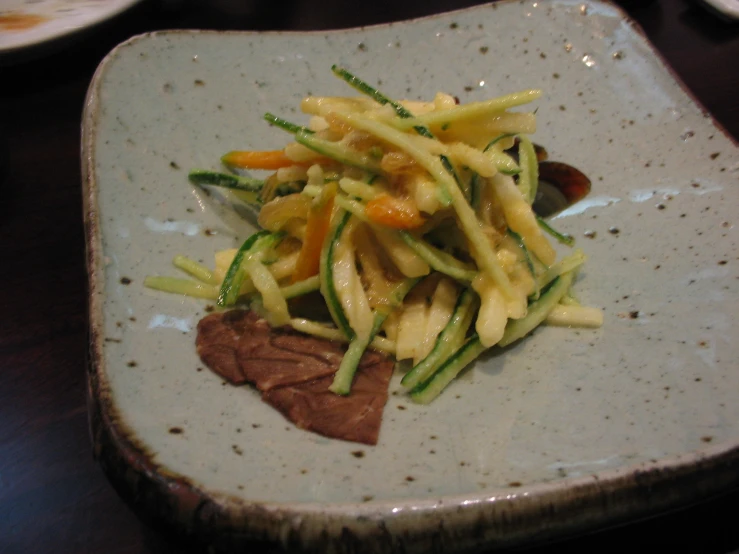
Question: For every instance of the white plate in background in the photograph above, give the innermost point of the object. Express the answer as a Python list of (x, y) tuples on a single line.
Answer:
[(30, 23)]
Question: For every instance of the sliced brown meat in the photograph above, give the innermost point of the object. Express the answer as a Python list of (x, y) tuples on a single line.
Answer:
[(218, 341), (293, 371), (357, 417)]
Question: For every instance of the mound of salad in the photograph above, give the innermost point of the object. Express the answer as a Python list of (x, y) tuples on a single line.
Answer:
[(410, 221)]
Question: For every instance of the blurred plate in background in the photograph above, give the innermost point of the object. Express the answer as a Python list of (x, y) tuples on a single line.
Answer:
[(26, 24)]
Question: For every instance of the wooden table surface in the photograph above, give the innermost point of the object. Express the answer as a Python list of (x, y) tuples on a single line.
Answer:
[(53, 496)]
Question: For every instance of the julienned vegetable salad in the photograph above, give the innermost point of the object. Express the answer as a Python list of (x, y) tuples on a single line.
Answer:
[(414, 222)]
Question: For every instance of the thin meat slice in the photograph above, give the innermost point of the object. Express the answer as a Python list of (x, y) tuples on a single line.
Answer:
[(273, 358), (356, 417), (293, 371), (218, 340)]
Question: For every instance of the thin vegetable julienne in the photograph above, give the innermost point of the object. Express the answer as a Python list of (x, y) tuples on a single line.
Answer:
[(525, 251), (256, 159), (528, 179), (475, 183), (317, 226), (377, 96), (328, 286), (197, 270), (569, 240), (285, 125), (246, 188), (185, 287), (236, 273), (350, 362), (439, 260), (202, 177)]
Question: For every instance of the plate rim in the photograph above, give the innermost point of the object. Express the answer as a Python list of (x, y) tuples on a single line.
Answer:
[(494, 518)]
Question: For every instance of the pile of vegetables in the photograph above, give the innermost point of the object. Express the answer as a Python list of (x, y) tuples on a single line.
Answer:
[(414, 222)]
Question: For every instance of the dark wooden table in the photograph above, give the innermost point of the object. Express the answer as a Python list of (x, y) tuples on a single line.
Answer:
[(53, 497)]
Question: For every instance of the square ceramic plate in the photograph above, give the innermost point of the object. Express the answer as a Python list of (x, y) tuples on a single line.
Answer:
[(567, 430)]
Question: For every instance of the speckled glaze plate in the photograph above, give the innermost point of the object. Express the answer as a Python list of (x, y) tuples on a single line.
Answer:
[(566, 431), (30, 23)]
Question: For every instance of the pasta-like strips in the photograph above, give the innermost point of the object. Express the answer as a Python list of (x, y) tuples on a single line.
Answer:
[(349, 288), (521, 218)]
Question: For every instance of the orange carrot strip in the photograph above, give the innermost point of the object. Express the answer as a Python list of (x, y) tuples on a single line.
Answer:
[(394, 212), (316, 229), (253, 159), (267, 159)]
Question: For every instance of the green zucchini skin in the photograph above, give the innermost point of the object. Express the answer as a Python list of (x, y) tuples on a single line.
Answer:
[(503, 162), (444, 345), (249, 188), (328, 287), (344, 376), (338, 152), (438, 259), (428, 390), (285, 125), (367, 89), (560, 237), (236, 274), (538, 310), (524, 250), (202, 177), (528, 179)]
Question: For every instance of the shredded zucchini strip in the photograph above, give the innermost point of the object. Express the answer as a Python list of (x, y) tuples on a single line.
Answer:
[(528, 179), (273, 300), (236, 272), (197, 270), (446, 343), (185, 287), (328, 285), (438, 259), (332, 333), (300, 288), (575, 316)]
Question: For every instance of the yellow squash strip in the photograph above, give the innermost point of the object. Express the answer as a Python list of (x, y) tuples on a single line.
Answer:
[(521, 218), (332, 333), (575, 316), (469, 112), (265, 283), (349, 289)]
